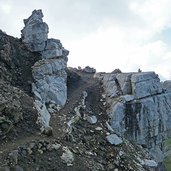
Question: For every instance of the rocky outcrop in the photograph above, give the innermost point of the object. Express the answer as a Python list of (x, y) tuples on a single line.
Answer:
[(49, 73), (88, 69), (35, 32), (139, 108)]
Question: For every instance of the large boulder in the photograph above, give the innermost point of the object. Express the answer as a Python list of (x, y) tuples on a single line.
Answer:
[(139, 108)]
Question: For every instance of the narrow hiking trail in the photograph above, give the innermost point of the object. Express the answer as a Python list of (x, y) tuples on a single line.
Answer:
[(78, 82)]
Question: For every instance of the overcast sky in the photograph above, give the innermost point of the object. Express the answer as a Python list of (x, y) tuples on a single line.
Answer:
[(105, 34)]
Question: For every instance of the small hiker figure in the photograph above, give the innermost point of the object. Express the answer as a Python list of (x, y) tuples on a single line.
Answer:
[(139, 70)]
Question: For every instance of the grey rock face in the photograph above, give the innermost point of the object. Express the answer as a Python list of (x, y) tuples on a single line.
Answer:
[(114, 139), (49, 74), (145, 84), (50, 80), (35, 32), (54, 49), (139, 108)]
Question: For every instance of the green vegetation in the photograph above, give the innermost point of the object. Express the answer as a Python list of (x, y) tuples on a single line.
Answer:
[(167, 160), (167, 163), (168, 142)]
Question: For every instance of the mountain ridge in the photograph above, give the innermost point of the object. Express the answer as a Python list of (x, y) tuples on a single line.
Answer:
[(76, 129)]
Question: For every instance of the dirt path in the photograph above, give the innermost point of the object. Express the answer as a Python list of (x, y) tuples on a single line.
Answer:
[(77, 83)]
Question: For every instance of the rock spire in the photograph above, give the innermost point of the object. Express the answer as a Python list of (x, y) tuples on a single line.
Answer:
[(49, 73)]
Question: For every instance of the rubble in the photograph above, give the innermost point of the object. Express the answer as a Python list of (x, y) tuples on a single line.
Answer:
[(88, 69), (114, 139), (92, 119), (67, 156)]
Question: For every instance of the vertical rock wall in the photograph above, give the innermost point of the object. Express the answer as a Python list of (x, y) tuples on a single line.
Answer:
[(140, 108), (49, 73)]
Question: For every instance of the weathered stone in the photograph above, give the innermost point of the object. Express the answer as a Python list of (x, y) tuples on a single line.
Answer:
[(92, 119), (157, 152), (13, 157), (35, 33), (67, 156), (53, 89), (114, 139), (89, 69), (98, 128), (56, 146), (44, 116), (110, 86), (167, 86), (53, 49), (142, 111), (48, 131), (145, 84), (123, 82), (117, 115), (150, 163)]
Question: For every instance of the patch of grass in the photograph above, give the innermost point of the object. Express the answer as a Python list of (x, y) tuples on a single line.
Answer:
[(167, 160), (167, 163), (168, 142)]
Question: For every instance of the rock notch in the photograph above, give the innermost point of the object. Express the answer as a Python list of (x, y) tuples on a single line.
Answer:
[(49, 73)]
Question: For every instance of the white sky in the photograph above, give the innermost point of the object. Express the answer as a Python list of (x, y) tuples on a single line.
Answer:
[(104, 34)]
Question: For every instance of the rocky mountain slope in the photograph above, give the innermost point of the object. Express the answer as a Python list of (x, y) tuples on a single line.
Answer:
[(58, 118)]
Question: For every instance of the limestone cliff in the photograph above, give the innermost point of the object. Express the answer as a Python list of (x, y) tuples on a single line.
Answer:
[(49, 73), (140, 108)]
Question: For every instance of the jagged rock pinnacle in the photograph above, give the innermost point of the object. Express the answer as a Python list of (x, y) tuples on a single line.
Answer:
[(49, 74), (35, 32)]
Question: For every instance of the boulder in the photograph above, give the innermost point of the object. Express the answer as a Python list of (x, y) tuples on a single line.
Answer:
[(114, 139), (150, 163), (88, 69), (167, 86), (67, 156), (92, 119)]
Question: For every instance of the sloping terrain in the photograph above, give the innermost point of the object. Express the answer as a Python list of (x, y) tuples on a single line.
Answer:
[(16, 101), (82, 139), (87, 146)]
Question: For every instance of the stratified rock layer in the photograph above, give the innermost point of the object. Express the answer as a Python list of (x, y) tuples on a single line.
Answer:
[(139, 108), (49, 74)]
